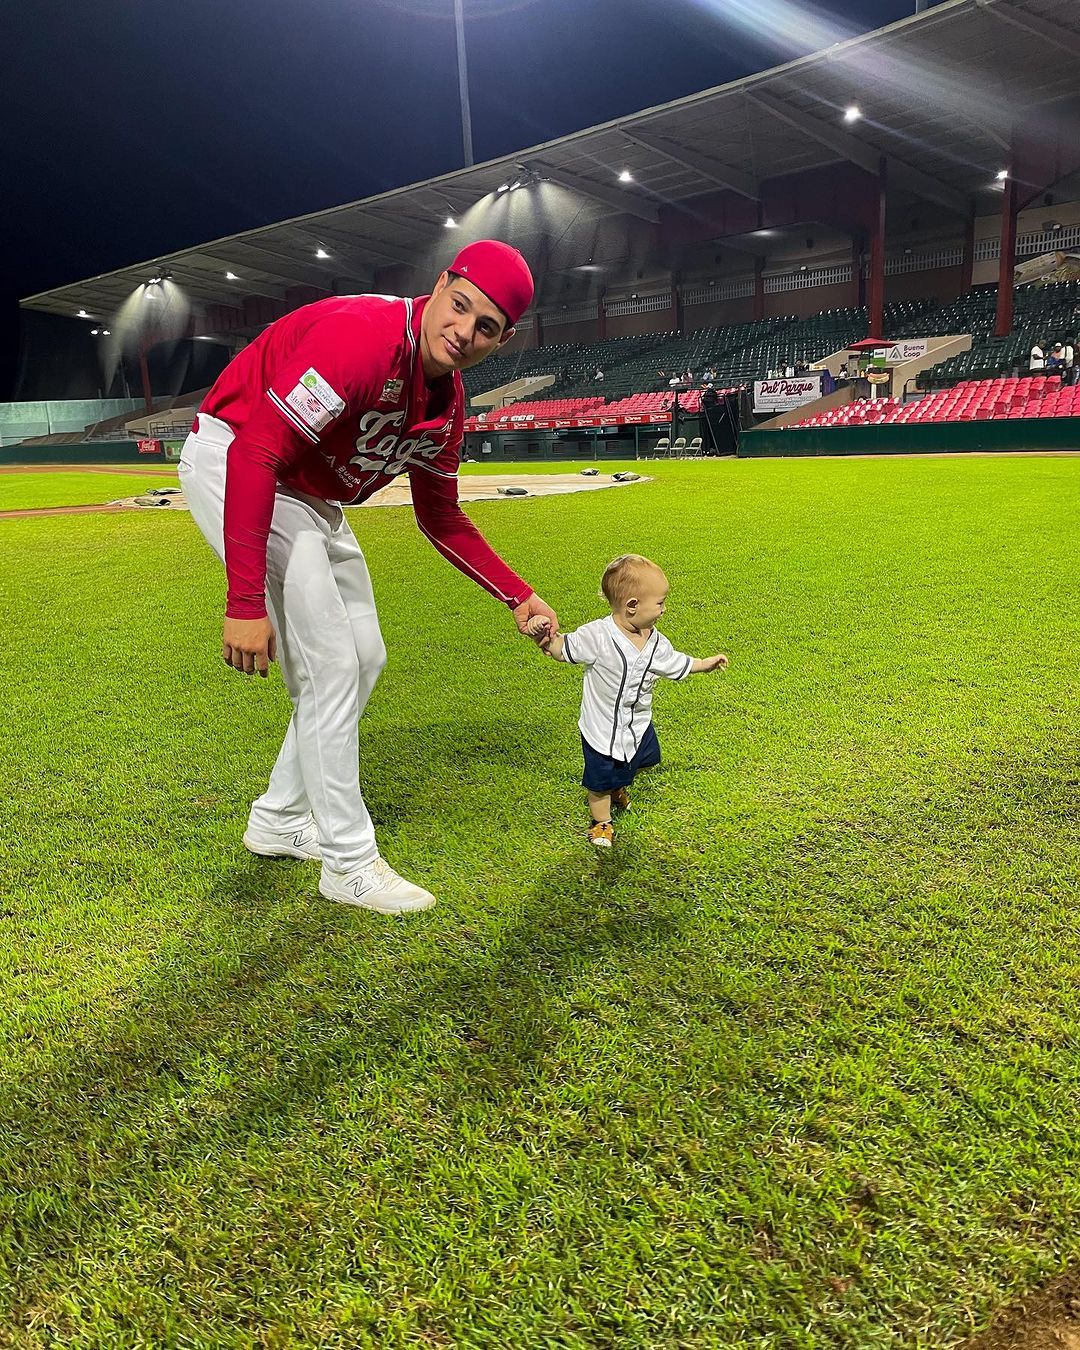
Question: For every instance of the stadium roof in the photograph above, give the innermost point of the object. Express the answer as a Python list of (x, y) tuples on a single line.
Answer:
[(938, 93)]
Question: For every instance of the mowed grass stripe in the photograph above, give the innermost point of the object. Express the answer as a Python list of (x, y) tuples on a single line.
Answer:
[(795, 1066), (28, 490), (24, 491)]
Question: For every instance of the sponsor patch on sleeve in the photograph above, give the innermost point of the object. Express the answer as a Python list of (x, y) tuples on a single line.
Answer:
[(308, 408), (314, 383)]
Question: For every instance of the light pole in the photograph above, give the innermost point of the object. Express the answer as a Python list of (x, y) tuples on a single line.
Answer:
[(463, 82)]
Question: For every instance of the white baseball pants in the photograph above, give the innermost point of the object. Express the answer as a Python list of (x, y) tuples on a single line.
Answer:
[(329, 647)]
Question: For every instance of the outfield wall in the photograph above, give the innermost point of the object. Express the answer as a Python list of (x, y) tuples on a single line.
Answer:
[(524, 444), (48, 417), (92, 452), (1002, 435), (515, 447)]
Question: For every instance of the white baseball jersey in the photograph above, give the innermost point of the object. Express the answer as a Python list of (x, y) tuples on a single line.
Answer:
[(616, 702)]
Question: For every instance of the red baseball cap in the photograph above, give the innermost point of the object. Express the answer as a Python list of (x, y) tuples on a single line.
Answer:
[(500, 272)]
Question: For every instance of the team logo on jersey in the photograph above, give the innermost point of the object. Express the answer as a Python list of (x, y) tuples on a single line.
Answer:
[(391, 391), (381, 448)]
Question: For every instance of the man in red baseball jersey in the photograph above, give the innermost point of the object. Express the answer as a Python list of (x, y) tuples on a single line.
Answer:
[(326, 406)]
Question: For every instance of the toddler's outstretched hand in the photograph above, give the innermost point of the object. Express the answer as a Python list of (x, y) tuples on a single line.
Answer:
[(711, 663)]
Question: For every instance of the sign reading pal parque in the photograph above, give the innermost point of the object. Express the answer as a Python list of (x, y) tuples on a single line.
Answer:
[(781, 395)]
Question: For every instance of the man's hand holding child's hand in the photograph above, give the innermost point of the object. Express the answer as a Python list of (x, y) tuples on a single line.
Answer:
[(538, 627), (532, 609)]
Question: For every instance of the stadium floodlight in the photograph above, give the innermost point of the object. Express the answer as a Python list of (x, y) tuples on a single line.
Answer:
[(82, 314), (231, 276), (321, 253), (105, 332), (852, 113), (626, 176), (526, 177), (450, 223), (1002, 174), (503, 187), (94, 332)]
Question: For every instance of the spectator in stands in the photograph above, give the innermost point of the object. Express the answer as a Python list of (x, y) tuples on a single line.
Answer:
[(1056, 359), (710, 375), (599, 375), (329, 404), (1068, 360), (1037, 360)]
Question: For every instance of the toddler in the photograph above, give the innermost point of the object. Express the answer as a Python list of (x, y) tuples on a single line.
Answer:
[(623, 656)]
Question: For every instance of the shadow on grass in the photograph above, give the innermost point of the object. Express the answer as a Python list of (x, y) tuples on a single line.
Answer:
[(402, 764), (247, 1021)]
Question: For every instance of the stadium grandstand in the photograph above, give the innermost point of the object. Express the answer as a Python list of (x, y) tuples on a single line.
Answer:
[(876, 234)]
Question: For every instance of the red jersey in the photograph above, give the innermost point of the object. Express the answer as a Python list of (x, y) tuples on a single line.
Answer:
[(331, 400)]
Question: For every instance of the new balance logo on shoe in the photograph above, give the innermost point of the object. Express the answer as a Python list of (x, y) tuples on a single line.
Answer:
[(375, 886), (302, 843)]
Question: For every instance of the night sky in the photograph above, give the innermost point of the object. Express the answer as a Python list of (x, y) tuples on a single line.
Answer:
[(131, 128)]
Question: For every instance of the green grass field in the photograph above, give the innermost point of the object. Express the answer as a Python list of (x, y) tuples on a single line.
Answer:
[(796, 1065), (22, 491)]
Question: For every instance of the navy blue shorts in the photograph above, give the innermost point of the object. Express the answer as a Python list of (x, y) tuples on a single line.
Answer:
[(604, 774)]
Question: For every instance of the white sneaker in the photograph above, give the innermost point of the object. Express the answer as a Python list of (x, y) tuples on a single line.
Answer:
[(376, 886), (301, 843)]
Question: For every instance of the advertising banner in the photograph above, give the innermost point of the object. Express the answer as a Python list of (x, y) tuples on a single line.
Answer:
[(777, 396), (907, 349)]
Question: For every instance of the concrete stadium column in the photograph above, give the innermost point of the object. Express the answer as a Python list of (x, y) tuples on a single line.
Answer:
[(967, 262), (875, 299), (601, 314), (539, 329), (1007, 263), (858, 281), (676, 301), (759, 288), (144, 375)]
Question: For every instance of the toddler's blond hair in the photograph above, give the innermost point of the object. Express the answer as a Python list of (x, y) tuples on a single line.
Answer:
[(624, 575)]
